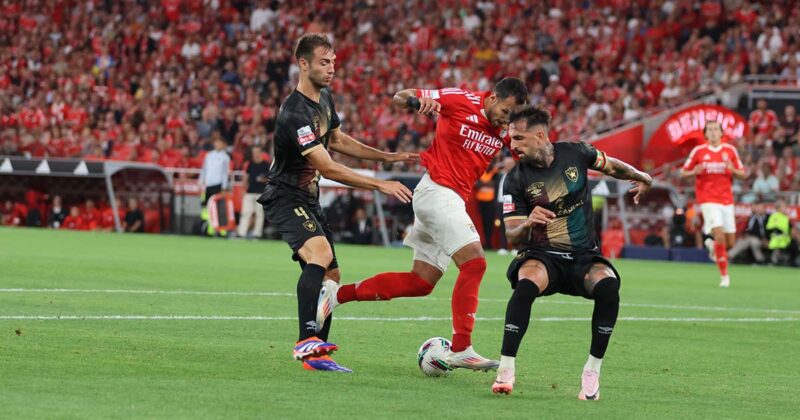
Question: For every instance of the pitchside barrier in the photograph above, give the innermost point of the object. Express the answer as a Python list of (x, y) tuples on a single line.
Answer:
[(77, 180)]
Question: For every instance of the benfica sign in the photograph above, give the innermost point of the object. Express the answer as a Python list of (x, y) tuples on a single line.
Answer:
[(683, 130)]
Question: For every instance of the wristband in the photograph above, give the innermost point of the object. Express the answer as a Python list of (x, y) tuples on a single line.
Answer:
[(413, 102)]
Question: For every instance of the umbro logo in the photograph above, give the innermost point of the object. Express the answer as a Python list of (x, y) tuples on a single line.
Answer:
[(706, 157), (512, 328), (605, 330), (473, 118)]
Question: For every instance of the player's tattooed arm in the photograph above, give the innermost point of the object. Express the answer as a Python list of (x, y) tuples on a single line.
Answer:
[(517, 234), (349, 146), (407, 98), (518, 229), (641, 181)]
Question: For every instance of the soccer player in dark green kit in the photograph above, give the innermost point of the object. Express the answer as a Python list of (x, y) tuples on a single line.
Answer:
[(547, 209)]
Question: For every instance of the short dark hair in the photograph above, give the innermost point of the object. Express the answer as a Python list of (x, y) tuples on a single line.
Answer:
[(512, 86), (308, 43), (532, 115)]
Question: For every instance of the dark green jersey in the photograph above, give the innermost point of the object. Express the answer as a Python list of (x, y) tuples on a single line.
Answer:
[(563, 188), (302, 126)]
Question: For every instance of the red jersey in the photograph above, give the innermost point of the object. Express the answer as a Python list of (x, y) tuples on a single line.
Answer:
[(465, 141), (763, 122), (714, 184), (73, 223)]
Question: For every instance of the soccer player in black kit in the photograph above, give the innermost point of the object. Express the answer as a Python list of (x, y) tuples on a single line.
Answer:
[(547, 209), (307, 125)]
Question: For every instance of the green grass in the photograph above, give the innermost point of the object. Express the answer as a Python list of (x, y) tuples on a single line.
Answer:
[(106, 368)]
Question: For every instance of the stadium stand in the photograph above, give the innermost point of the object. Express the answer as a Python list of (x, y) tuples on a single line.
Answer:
[(156, 81)]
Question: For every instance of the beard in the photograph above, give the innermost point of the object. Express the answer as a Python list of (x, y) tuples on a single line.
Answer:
[(318, 80), (540, 157)]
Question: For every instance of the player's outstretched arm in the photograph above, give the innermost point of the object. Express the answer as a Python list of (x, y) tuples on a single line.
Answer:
[(641, 181), (407, 98), (329, 169), (349, 146)]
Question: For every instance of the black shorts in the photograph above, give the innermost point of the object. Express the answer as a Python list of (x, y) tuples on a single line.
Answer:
[(565, 270), (298, 221)]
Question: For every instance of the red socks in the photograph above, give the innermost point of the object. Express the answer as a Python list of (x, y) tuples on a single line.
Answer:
[(385, 286), (465, 302), (722, 257)]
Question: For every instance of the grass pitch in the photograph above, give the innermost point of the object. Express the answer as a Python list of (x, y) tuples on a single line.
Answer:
[(96, 325)]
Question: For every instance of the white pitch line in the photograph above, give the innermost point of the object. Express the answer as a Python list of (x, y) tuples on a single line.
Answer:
[(352, 318), (147, 292), (284, 294)]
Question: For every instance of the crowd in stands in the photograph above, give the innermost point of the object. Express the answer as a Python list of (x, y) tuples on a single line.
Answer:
[(157, 81)]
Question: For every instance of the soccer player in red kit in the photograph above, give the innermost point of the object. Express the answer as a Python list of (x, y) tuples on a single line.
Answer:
[(470, 132), (715, 164)]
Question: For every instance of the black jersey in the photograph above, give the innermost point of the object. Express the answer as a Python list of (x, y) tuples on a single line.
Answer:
[(302, 126), (562, 188)]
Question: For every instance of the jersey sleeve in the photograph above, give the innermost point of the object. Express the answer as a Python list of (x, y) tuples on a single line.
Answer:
[(298, 130), (737, 162), (514, 205), (691, 160), (595, 159), (450, 98)]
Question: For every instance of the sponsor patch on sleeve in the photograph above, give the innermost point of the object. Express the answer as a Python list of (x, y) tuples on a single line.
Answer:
[(305, 135), (508, 204), (428, 93)]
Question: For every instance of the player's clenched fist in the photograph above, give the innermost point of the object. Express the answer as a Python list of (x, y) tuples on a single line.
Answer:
[(396, 189), (539, 215), (428, 106)]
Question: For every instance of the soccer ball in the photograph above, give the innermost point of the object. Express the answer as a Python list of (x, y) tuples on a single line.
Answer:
[(431, 356)]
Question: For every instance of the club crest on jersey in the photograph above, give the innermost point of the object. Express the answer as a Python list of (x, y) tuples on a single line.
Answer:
[(535, 189), (310, 225), (572, 173), (305, 135)]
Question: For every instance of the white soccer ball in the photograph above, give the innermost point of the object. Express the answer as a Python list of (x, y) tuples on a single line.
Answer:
[(431, 356)]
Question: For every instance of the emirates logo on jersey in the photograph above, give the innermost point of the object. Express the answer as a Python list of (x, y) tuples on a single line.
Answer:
[(479, 141)]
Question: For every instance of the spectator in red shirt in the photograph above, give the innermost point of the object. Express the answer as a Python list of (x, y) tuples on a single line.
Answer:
[(12, 214), (91, 216), (74, 221), (107, 216), (763, 120)]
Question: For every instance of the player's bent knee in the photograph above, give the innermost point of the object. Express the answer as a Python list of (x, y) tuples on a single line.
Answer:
[(427, 272), (476, 265), (468, 253), (607, 290), (333, 274), (317, 251), (421, 287), (536, 272)]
